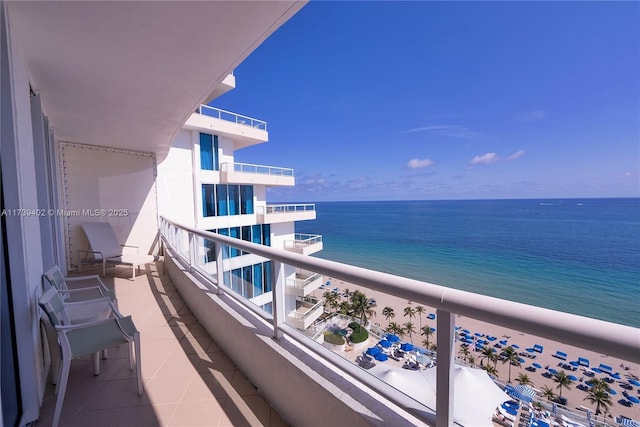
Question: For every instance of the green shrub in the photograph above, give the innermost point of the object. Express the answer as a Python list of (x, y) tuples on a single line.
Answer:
[(358, 336), (354, 325), (332, 338)]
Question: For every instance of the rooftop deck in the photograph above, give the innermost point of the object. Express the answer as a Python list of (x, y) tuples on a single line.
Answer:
[(188, 379)]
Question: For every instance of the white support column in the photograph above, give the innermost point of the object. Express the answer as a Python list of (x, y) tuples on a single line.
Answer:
[(192, 250), (277, 281), (444, 369), (219, 270)]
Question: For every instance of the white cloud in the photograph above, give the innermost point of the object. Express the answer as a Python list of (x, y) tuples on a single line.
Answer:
[(419, 163), (451, 131), (430, 128), (485, 159), (516, 155), (627, 173)]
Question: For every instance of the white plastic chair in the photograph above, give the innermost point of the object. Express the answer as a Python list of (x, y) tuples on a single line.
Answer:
[(89, 337), (105, 248), (97, 290)]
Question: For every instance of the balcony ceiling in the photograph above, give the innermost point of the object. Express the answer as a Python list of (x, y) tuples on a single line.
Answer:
[(129, 74)]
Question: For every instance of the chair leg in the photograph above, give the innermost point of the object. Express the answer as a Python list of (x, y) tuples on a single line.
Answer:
[(105, 352), (104, 267), (96, 363), (62, 388), (136, 340)]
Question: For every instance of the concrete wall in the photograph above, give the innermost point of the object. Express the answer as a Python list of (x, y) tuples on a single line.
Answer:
[(303, 390)]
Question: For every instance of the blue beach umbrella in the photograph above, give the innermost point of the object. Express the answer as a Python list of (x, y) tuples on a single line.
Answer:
[(536, 365), (521, 360), (406, 346), (385, 343), (633, 399), (616, 376), (572, 378), (381, 357), (516, 346), (392, 338), (553, 371), (634, 382), (612, 392), (372, 351)]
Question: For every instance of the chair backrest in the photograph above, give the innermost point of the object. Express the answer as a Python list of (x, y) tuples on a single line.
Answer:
[(52, 304), (102, 238), (55, 278)]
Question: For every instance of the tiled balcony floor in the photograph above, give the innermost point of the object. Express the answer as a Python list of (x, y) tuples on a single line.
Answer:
[(188, 379)]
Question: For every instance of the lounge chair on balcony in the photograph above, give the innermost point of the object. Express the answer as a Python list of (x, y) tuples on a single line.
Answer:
[(108, 328), (105, 248)]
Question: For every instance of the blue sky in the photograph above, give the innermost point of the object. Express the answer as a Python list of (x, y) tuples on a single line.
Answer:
[(448, 100)]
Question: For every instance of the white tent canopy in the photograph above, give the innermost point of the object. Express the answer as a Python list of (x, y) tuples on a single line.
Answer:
[(476, 396)]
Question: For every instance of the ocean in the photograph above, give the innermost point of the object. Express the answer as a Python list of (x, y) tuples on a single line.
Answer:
[(575, 255)]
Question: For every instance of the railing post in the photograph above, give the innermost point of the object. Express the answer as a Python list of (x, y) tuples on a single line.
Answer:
[(444, 369), (219, 269), (192, 250), (277, 280)]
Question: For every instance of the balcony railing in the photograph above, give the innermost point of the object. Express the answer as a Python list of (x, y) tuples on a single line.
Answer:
[(282, 209), (603, 337), (255, 169), (302, 241), (232, 117), (303, 279), (307, 307)]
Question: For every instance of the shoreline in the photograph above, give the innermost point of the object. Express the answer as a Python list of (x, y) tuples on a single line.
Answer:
[(575, 396)]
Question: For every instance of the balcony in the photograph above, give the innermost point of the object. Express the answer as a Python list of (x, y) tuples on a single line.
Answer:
[(245, 173), (304, 283), (272, 214), (243, 130), (305, 244), (308, 310), (590, 336)]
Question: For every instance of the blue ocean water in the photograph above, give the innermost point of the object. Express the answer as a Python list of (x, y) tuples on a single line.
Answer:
[(578, 255)]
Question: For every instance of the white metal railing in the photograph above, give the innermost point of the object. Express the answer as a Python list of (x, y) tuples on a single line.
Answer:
[(301, 283), (232, 117), (281, 209), (303, 240), (600, 336), (256, 169)]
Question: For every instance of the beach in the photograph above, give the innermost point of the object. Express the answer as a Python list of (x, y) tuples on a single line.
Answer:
[(575, 396)]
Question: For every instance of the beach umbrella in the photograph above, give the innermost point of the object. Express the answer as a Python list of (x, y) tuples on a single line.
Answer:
[(521, 360), (392, 338), (406, 346), (381, 357), (574, 363), (478, 334), (372, 351), (516, 346), (536, 365), (632, 399), (553, 371), (612, 392), (616, 376), (572, 378), (385, 343), (634, 382)]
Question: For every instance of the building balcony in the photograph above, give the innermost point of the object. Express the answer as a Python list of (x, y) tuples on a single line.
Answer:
[(272, 214), (245, 173), (227, 84), (308, 310), (305, 244), (243, 130), (304, 283)]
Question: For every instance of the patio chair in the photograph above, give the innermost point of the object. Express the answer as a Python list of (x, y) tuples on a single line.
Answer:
[(90, 337), (105, 248), (98, 290)]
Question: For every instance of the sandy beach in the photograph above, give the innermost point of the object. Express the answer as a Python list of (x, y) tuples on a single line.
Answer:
[(575, 396)]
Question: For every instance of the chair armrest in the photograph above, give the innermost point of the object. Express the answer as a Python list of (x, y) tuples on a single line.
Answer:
[(137, 248), (91, 277), (88, 288), (61, 328), (91, 252), (95, 301)]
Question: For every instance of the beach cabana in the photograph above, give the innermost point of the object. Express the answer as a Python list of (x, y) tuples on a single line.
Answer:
[(431, 316), (583, 361), (605, 368), (406, 346), (372, 351), (538, 348), (381, 357), (384, 343), (392, 338), (520, 392), (560, 355)]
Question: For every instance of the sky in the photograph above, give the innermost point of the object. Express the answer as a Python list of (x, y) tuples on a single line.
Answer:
[(448, 100)]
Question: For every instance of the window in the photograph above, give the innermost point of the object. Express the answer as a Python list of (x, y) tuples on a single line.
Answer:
[(208, 200), (209, 152), (246, 199), (234, 199), (223, 205)]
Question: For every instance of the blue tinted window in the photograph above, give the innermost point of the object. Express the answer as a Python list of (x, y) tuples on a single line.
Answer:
[(222, 200), (234, 199), (208, 200), (206, 151), (267, 276), (235, 233), (257, 280), (246, 199)]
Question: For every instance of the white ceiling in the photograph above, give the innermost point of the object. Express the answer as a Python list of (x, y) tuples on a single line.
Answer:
[(128, 74)]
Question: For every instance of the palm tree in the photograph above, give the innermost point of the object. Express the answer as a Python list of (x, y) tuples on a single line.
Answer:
[(388, 313), (600, 397), (419, 311), (410, 329), (344, 307), (510, 356), (491, 370), (464, 352), (548, 392), (395, 328), (427, 332), (472, 360), (360, 307), (488, 354), (409, 311), (563, 381), (523, 379), (331, 300)]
